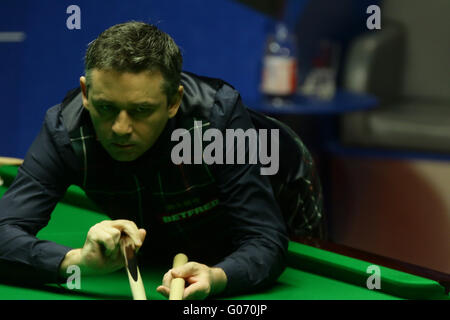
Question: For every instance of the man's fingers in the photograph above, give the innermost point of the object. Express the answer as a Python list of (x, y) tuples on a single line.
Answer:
[(193, 273), (105, 240), (197, 275), (165, 291), (196, 291), (185, 270), (108, 234), (167, 279), (130, 229), (142, 234)]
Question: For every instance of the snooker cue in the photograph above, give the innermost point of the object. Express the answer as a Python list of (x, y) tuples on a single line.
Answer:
[(7, 161), (177, 284), (134, 276)]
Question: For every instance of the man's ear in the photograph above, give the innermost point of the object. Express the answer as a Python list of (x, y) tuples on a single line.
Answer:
[(84, 91), (173, 108)]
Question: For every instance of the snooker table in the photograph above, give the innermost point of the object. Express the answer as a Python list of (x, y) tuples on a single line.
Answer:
[(312, 273)]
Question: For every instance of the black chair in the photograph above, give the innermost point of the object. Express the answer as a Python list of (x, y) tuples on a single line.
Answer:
[(296, 185)]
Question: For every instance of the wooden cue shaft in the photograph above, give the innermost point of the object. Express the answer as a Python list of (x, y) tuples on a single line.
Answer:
[(6, 161), (136, 286), (177, 284)]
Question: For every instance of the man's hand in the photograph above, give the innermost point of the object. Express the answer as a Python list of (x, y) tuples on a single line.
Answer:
[(203, 281), (101, 251)]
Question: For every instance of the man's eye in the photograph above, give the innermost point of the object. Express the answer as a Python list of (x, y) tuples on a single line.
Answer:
[(105, 109), (143, 110)]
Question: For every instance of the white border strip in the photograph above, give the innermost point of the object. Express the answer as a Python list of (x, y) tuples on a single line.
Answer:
[(12, 36)]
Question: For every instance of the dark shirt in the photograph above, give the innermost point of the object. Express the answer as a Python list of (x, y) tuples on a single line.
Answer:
[(221, 214)]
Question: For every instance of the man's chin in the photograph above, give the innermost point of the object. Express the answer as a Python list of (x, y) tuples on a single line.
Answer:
[(124, 157)]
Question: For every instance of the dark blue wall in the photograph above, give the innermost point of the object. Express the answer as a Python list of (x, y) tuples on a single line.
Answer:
[(220, 38)]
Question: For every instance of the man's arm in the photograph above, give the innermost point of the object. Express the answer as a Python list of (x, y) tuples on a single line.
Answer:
[(26, 207), (259, 233)]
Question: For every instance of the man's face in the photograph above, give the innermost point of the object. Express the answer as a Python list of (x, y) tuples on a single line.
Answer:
[(128, 110)]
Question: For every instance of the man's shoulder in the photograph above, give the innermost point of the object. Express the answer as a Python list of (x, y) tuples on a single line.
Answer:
[(71, 109), (192, 81), (66, 111), (64, 118), (207, 98), (59, 118)]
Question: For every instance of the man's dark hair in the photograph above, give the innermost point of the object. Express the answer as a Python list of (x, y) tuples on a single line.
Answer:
[(135, 47)]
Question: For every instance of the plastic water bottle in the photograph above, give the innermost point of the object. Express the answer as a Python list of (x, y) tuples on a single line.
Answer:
[(279, 75)]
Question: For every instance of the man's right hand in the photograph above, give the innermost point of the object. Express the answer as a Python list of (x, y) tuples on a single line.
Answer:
[(101, 251)]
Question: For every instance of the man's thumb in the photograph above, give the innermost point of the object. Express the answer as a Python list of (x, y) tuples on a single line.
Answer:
[(142, 234)]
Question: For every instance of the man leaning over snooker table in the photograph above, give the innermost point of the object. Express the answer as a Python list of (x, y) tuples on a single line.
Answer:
[(112, 137)]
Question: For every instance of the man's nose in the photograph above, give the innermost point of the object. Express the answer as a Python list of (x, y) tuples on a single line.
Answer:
[(122, 124)]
